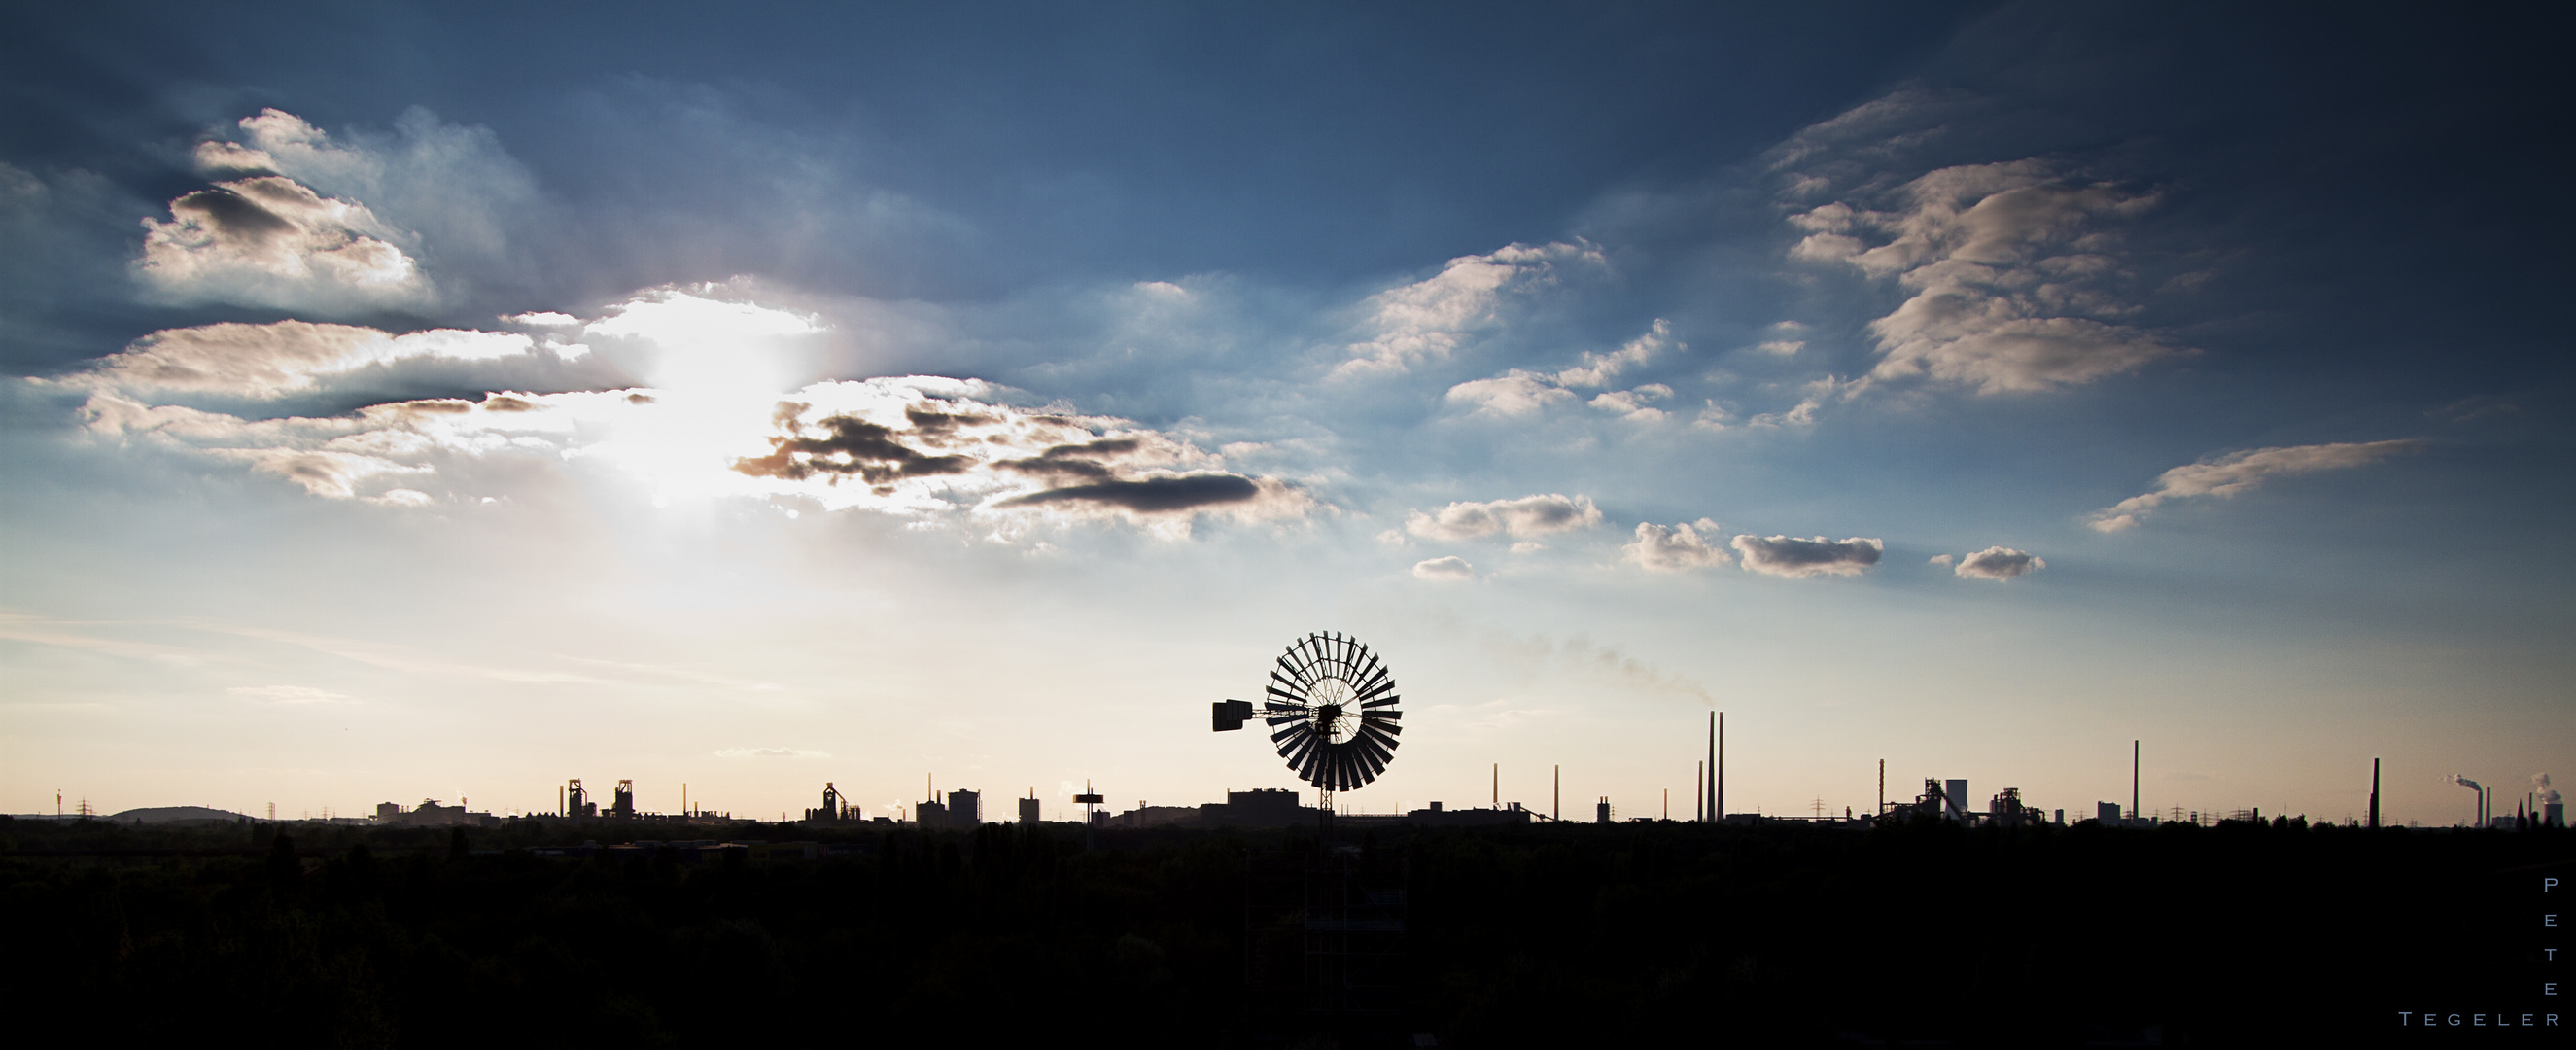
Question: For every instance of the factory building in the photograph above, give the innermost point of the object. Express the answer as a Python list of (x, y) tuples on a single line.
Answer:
[(429, 814)]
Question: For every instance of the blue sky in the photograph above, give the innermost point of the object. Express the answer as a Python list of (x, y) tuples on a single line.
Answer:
[(446, 401)]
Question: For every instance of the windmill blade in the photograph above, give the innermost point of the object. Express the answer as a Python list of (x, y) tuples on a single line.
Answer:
[(1292, 729), (1381, 682)]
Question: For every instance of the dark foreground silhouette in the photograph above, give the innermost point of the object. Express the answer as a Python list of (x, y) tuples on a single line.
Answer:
[(1645, 934)]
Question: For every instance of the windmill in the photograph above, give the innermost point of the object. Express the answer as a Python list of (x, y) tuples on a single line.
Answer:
[(1331, 711)]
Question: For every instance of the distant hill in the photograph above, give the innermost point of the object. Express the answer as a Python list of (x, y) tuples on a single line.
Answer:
[(174, 814)]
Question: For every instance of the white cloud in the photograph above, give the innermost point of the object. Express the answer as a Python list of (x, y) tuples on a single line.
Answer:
[(2014, 287), (271, 241), (543, 319), (1430, 319), (702, 339), (1998, 564), (1521, 518), (1677, 549), (1514, 393), (451, 183), (1781, 347), (1794, 557), (2238, 472), (1446, 568), (1941, 559), (283, 357), (1521, 392), (1599, 370), (1631, 404)]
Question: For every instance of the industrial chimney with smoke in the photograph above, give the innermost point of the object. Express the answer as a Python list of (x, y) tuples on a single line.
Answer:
[(2553, 812), (2481, 820)]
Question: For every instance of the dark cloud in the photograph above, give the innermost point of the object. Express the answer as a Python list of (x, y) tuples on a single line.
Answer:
[(1150, 495), (1075, 461), (855, 447), (941, 424), (233, 215), (1791, 556)]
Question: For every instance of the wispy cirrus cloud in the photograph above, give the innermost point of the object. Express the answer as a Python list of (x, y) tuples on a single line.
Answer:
[(1522, 392), (283, 357), (2239, 472), (2015, 281), (1430, 319)]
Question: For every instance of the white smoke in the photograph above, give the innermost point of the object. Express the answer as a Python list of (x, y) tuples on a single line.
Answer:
[(2540, 785), (2466, 782)]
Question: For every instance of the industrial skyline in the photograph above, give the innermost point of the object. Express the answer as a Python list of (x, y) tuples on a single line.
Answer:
[(1955, 798), (451, 400)]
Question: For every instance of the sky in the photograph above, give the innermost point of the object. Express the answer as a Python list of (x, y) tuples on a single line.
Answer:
[(445, 401)]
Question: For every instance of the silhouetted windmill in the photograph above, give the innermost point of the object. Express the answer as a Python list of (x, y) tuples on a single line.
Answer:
[(1331, 710)]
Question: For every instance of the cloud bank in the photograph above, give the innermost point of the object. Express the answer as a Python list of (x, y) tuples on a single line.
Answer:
[(264, 361), (2238, 472), (918, 446)]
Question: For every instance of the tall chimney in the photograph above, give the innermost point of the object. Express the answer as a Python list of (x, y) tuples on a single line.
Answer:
[(1721, 765), (1699, 795), (1882, 787), (2374, 793), (2133, 780), (1708, 785)]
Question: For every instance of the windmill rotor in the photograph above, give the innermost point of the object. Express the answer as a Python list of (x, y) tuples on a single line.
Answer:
[(1331, 708)]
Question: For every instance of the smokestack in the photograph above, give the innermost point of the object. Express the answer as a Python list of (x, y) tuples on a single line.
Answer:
[(1556, 793), (1721, 765), (1708, 784), (1882, 787), (1498, 785), (1699, 793), (2133, 780), (2374, 793), (2474, 786)]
